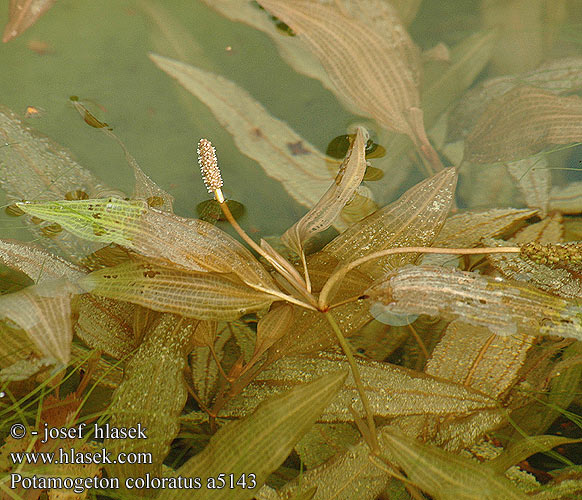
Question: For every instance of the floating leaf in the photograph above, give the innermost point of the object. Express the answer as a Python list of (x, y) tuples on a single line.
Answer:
[(393, 391), (521, 123), (210, 211), (413, 220), (504, 307), (444, 475), (23, 14), (188, 243), (209, 295), (261, 441), (44, 312), (327, 209)]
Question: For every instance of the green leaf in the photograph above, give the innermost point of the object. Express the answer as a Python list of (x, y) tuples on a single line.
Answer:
[(259, 443), (444, 475)]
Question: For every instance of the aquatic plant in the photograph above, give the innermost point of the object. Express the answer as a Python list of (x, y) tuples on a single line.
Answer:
[(459, 331)]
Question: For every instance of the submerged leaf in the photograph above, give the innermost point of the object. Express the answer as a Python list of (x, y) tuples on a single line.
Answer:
[(209, 295), (413, 220), (187, 243), (261, 441), (504, 307), (521, 123), (44, 313), (444, 475), (533, 179), (35, 168), (368, 68), (152, 394), (327, 209), (257, 134), (23, 14), (392, 391), (36, 263)]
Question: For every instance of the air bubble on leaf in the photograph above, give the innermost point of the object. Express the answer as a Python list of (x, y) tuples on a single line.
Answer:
[(383, 314)]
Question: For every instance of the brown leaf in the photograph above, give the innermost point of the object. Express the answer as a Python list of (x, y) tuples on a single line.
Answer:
[(523, 122), (467, 229), (548, 230), (327, 209), (413, 220), (557, 76), (23, 14), (393, 391), (44, 313), (271, 328), (208, 296), (367, 68), (473, 356), (567, 199), (534, 180)]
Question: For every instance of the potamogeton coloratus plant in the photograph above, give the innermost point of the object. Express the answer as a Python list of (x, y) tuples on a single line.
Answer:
[(175, 278)]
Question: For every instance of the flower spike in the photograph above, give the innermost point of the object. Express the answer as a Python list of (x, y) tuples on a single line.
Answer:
[(209, 168)]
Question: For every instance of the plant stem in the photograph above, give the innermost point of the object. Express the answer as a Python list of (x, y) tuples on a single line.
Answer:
[(328, 289), (357, 379), (300, 286)]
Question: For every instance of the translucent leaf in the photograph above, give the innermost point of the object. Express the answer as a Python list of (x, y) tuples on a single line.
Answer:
[(105, 373), (36, 263), (44, 313), (271, 328), (327, 209), (567, 199), (152, 394), (467, 229), (106, 325), (548, 230), (504, 307), (261, 441), (444, 475), (188, 243), (347, 476), (377, 77), (524, 448), (393, 391), (534, 180), (558, 76), (196, 295), (204, 334), (32, 167), (413, 220), (323, 441), (23, 14), (468, 58), (471, 355), (257, 134), (521, 123)]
